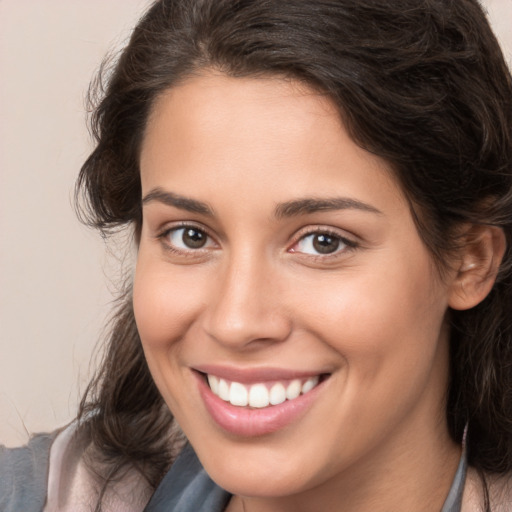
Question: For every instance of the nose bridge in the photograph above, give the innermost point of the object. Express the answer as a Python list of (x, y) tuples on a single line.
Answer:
[(246, 307)]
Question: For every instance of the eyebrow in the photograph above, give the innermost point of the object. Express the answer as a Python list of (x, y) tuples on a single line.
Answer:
[(313, 205), (181, 202), (288, 209)]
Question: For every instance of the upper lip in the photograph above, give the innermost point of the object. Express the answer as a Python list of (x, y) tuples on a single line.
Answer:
[(253, 375)]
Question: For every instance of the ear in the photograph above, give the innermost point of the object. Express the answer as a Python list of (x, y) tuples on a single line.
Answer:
[(478, 266)]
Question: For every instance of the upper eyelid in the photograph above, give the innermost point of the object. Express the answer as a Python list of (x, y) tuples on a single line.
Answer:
[(338, 232), (167, 228)]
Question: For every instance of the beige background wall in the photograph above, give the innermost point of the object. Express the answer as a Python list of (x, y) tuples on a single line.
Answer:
[(53, 292)]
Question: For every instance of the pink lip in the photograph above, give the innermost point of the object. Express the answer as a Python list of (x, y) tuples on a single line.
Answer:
[(246, 422)]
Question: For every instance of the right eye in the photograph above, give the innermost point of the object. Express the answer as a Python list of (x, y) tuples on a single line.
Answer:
[(187, 238)]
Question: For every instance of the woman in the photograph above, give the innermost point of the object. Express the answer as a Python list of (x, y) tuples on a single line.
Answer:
[(320, 194)]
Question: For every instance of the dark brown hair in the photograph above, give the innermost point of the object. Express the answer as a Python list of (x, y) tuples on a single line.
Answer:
[(421, 83)]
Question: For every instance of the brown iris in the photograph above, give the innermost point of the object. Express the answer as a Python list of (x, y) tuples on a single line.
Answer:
[(325, 243), (194, 238)]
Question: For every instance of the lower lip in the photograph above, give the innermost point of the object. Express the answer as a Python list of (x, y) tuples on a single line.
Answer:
[(245, 422)]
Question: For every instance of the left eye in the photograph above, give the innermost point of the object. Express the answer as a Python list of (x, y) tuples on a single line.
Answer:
[(320, 243), (188, 237)]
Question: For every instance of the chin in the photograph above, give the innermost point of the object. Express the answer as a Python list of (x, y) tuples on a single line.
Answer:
[(267, 483), (260, 471)]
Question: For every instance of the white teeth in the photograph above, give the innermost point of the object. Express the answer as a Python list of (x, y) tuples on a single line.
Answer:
[(293, 390), (277, 394), (258, 396), (238, 394), (224, 390), (214, 383), (309, 384)]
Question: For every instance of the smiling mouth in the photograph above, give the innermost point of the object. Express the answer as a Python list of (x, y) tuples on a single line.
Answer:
[(262, 394)]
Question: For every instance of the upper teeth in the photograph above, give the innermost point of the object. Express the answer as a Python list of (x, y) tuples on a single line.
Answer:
[(260, 394)]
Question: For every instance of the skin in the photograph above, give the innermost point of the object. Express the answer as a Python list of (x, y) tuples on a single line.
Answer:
[(372, 314)]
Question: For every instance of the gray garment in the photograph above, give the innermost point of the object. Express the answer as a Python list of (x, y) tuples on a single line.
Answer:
[(188, 488), (24, 475), (453, 502), (185, 488)]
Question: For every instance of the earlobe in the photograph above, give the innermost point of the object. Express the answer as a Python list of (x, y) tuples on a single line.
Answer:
[(478, 266)]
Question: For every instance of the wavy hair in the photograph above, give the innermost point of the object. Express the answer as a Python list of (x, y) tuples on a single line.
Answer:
[(421, 83)]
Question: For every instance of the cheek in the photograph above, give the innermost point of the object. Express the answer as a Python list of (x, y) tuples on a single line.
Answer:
[(383, 323), (165, 303), (392, 352)]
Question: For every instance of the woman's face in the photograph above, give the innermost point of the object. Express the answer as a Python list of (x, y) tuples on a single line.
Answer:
[(280, 261)]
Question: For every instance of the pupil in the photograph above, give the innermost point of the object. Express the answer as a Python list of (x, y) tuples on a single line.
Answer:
[(325, 244), (193, 238)]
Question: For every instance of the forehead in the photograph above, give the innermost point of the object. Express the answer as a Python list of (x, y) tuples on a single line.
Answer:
[(250, 135), (237, 109)]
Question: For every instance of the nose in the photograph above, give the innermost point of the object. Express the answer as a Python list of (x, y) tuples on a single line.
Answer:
[(247, 308)]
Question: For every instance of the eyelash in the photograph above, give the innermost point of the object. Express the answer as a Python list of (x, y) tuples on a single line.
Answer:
[(347, 244)]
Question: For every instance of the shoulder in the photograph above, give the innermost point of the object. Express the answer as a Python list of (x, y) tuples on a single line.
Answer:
[(500, 492), (499, 488), (75, 483), (24, 474), (52, 472)]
